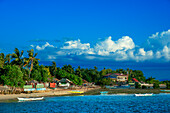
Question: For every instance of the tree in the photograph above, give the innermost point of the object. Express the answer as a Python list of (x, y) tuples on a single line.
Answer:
[(156, 85), (68, 68), (36, 75), (8, 58), (31, 60), (137, 85), (13, 76), (78, 72), (105, 81), (18, 57), (53, 69), (4, 60)]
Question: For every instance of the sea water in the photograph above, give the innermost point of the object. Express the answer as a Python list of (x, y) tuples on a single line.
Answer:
[(159, 103)]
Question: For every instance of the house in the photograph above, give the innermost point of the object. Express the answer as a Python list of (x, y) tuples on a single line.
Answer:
[(111, 76), (85, 83), (64, 83), (162, 86), (121, 77), (134, 80)]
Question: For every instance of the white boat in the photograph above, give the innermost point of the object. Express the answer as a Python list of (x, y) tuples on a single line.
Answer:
[(146, 94), (30, 99)]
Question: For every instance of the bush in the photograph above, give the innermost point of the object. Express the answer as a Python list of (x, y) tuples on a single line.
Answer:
[(156, 85), (144, 87)]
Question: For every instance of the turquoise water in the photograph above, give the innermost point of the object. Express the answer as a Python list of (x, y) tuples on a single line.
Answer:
[(159, 103)]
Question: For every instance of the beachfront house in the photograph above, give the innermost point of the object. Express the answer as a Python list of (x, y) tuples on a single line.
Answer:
[(111, 76), (162, 86), (121, 77), (64, 83)]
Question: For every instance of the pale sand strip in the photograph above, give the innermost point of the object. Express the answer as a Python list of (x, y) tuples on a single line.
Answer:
[(41, 94)]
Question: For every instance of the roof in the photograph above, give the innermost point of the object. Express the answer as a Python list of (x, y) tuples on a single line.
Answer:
[(110, 75), (84, 81), (65, 80), (120, 74), (135, 79)]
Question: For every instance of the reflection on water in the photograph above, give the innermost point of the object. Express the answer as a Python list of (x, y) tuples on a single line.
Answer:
[(109, 104)]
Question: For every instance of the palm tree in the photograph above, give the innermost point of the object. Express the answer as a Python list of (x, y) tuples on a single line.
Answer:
[(31, 60), (18, 57), (54, 65), (4, 59), (8, 58)]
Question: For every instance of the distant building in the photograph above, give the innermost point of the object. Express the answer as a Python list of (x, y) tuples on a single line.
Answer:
[(134, 80), (111, 76), (119, 77), (162, 86), (65, 83)]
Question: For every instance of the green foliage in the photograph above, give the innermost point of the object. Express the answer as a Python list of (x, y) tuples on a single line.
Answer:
[(74, 78), (78, 72), (36, 75), (68, 68), (156, 85), (137, 85), (17, 56), (12, 76), (105, 81), (40, 73), (144, 87)]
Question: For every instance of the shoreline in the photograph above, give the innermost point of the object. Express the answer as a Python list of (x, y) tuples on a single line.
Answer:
[(51, 93), (65, 92)]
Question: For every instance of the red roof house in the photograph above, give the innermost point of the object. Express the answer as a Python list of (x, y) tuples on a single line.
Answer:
[(134, 79)]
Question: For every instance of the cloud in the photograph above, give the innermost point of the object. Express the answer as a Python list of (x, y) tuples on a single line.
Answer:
[(43, 46), (105, 47), (76, 44), (166, 53), (158, 40), (155, 49)]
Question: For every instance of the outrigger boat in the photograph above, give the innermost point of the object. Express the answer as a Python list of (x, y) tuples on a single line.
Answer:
[(104, 92), (147, 94), (30, 99), (76, 91)]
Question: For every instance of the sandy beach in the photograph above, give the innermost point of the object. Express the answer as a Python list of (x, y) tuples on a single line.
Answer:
[(55, 92)]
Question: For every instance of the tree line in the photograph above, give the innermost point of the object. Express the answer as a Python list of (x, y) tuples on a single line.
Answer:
[(16, 70)]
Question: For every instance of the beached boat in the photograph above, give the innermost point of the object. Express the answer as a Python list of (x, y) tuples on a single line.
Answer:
[(165, 90), (76, 91), (30, 99), (147, 94), (104, 92)]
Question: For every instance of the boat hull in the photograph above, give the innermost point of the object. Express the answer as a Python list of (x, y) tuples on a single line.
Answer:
[(76, 91), (30, 99), (137, 95)]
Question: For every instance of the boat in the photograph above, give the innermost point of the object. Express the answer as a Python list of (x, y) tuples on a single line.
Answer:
[(30, 99), (146, 94), (165, 90), (104, 92), (76, 91)]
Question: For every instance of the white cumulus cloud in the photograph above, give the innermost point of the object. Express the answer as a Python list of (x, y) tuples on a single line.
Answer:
[(105, 47), (156, 48), (43, 47), (76, 44)]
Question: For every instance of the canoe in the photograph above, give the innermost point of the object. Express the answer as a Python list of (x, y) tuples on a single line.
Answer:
[(147, 94), (30, 99), (76, 91), (166, 90), (104, 92)]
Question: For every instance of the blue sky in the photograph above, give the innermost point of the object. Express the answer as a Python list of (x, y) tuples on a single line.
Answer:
[(89, 32)]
